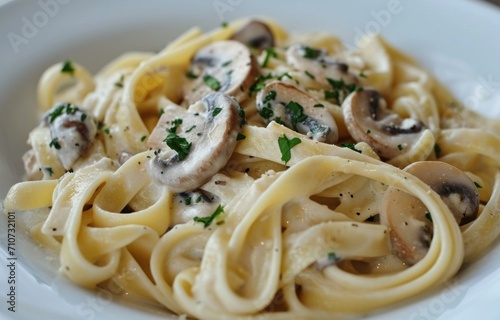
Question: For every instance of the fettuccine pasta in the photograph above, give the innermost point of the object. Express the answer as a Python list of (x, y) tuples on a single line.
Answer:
[(246, 172)]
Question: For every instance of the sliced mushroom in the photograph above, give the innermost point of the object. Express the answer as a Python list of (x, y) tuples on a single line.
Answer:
[(210, 138), (368, 119), (456, 189), (410, 221), (255, 34), (72, 131), (294, 108), (316, 62), (224, 66)]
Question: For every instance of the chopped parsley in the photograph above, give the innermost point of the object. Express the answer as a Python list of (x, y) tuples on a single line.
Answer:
[(178, 144), (310, 75), (259, 83), (143, 138), (208, 220), (191, 129), (477, 185), (368, 131), (225, 64), (216, 111), (62, 108), (270, 96), (284, 75), (400, 147), (68, 67), (119, 83), (269, 53), (362, 75), (318, 105), (240, 136), (83, 117), (351, 146), (311, 53), (55, 143), (191, 75), (266, 112), (175, 124), (437, 150), (332, 257), (428, 216), (49, 170), (286, 146), (296, 112), (340, 90), (224, 24), (243, 116), (211, 82), (187, 201), (101, 126), (161, 112)]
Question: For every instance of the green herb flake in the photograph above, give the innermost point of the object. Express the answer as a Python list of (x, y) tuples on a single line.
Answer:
[(297, 113), (49, 170), (68, 67), (332, 256), (175, 124), (83, 117), (351, 146), (191, 75), (368, 131), (286, 146), (119, 83), (224, 24), (266, 112), (198, 199), (437, 150), (428, 216), (143, 138), (216, 111), (400, 147), (207, 221), (56, 113), (55, 143), (331, 95), (362, 75), (178, 144), (259, 83), (187, 201), (269, 53), (225, 64), (240, 137), (311, 53), (310, 75), (191, 129), (285, 75), (319, 105), (211, 82), (477, 185)]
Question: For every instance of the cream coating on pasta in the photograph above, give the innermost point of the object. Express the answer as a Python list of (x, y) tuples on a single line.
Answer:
[(295, 237)]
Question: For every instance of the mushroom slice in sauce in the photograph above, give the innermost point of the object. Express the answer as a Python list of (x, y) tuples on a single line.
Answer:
[(72, 131), (317, 63), (224, 66), (368, 119), (294, 108), (409, 219), (212, 136), (255, 34), (455, 187)]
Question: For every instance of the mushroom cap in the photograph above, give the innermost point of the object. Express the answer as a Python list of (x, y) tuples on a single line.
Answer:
[(255, 34), (407, 217), (319, 64), (313, 118), (212, 135), (455, 187), (72, 131), (368, 119), (223, 66)]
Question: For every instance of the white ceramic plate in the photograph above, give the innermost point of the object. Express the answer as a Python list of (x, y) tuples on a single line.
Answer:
[(456, 40)]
